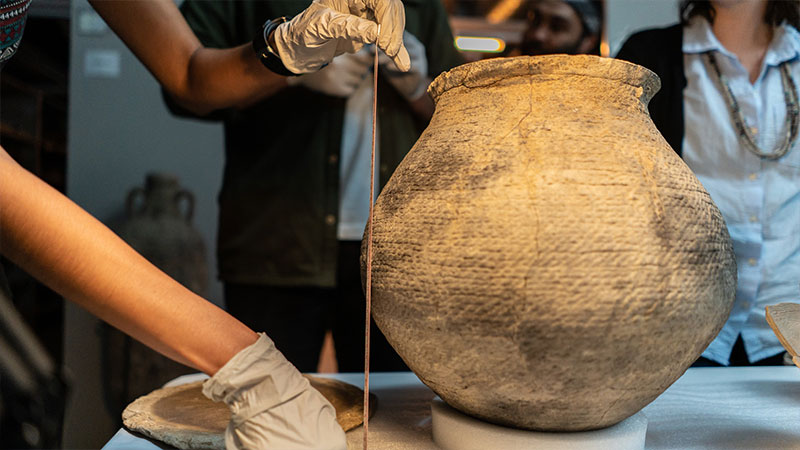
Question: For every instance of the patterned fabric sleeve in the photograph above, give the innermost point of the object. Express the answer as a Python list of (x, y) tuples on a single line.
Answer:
[(12, 24)]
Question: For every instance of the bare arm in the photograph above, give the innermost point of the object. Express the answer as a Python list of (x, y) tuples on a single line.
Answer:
[(59, 243), (201, 79)]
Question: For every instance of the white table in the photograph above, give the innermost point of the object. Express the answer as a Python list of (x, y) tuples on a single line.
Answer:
[(707, 408)]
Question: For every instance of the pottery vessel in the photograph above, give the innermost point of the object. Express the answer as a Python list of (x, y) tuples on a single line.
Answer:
[(542, 258)]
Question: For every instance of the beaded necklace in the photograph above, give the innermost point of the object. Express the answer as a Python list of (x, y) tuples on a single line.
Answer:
[(792, 111)]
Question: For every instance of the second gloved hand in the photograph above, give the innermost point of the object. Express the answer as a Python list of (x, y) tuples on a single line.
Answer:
[(412, 84), (341, 77), (328, 28), (272, 404)]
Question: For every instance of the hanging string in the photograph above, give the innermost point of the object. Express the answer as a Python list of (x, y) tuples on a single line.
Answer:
[(369, 244)]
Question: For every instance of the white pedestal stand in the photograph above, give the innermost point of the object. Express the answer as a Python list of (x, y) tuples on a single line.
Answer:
[(453, 430)]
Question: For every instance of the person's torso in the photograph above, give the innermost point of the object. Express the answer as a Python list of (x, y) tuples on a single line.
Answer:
[(758, 197), (279, 203)]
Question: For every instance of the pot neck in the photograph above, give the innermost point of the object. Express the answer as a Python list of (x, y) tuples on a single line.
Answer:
[(493, 71)]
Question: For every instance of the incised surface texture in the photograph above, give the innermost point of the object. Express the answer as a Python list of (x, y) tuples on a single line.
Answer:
[(542, 258)]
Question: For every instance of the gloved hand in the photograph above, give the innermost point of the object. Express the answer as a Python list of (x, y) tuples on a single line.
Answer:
[(413, 83), (341, 77), (272, 404), (328, 28)]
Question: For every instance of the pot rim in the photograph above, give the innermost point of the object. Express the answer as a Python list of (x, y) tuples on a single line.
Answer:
[(490, 71)]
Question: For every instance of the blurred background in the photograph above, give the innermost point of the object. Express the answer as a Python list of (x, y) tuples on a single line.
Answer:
[(83, 114)]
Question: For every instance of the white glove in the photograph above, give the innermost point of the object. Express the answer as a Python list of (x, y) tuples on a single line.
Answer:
[(413, 83), (341, 77), (328, 28), (272, 405)]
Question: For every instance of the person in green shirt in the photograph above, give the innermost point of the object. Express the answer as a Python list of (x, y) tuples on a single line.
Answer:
[(292, 202)]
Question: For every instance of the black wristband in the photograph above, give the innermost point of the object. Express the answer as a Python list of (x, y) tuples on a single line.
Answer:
[(265, 53)]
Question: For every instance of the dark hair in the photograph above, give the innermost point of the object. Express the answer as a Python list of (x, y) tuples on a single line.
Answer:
[(777, 11)]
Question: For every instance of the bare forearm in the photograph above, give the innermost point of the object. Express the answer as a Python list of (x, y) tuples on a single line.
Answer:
[(227, 78), (57, 242), (201, 79)]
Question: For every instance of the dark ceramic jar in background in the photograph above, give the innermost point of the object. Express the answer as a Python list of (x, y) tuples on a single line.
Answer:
[(158, 226), (161, 230)]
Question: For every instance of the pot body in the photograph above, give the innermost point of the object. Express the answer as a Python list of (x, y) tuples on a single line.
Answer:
[(542, 258)]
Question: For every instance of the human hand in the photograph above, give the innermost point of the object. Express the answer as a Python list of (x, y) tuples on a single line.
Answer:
[(413, 83), (328, 28), (272, 404), (341, 77)]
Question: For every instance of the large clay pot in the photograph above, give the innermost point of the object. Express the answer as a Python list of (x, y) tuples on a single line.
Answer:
[(542, 258)]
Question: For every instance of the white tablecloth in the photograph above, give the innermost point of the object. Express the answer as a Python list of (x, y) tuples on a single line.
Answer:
[(707, 408)]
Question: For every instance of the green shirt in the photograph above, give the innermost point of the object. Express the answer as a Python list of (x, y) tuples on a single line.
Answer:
[(280, 192)]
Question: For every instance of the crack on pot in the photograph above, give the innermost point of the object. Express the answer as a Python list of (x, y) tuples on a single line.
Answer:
[(499, 78)]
